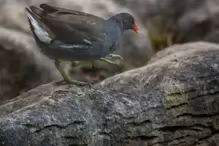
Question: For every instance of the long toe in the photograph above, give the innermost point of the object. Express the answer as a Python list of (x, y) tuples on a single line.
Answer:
[(60, 82), (107, 61), (73, 82), (114, 56), (79, 83)]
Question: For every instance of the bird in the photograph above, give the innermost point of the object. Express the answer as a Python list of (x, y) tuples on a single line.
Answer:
[(69, 35)]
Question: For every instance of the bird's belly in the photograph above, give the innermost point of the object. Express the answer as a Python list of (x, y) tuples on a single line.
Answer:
[(68, 53)]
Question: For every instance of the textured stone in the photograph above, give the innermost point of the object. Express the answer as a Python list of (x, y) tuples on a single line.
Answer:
[(171, 101)]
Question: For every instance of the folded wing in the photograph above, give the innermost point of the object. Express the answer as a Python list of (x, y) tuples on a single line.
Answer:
[(67, 26)]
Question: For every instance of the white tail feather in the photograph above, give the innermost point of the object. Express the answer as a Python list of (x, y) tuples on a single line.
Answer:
[(39, 30)]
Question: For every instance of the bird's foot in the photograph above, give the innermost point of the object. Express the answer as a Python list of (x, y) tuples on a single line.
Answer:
[(114, 56), (108, 61), (67, 79), (79, 83), (74, 82), (60, 82), (75, 63)]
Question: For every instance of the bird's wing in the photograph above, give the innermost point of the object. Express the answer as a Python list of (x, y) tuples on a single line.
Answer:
[(70, 26), (53, 9), (74, 29)]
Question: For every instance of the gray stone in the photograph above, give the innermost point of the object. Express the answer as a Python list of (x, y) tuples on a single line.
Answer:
[(171, 101)]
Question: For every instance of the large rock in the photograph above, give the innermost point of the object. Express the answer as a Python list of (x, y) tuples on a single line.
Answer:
[(171, 101)]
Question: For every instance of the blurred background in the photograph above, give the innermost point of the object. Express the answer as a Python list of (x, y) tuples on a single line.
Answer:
[(162, 23)]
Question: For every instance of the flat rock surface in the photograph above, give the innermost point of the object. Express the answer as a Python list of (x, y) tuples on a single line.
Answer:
[(171, 101)]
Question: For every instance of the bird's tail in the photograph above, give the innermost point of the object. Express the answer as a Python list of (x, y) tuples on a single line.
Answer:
[(36, 25)]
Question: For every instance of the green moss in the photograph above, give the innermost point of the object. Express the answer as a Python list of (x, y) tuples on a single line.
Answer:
[(159, 40)]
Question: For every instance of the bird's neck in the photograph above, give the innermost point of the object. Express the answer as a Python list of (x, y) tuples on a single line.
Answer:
[(118, 21)]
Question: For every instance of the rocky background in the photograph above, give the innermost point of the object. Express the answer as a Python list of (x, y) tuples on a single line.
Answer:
[(162, 24), (171, 100)]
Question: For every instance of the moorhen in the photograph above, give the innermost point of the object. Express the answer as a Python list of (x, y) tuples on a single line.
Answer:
[(70, 35)]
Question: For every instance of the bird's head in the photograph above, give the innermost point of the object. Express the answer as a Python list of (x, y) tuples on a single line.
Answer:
[(126, 22)]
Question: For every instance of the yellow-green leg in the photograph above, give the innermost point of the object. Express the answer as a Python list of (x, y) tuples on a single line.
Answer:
[(66, 78), (110, 56), (75, 63), (114, 56), (107, 61)]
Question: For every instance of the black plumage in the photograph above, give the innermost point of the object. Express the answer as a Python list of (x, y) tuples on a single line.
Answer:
[(77, 35), (64, 34)]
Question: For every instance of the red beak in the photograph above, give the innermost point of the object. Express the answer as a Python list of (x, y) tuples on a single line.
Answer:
[(135, 28)]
